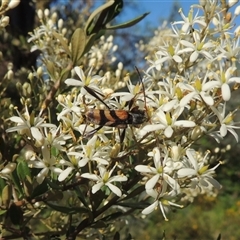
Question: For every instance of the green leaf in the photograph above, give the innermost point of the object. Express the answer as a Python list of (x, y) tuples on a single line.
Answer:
[(53, 195), (23, 170), (110, 13), (2, 211), (67, 210), (2, 185), (116, 236), (51, 69), (135, 192), (63, 42), (129, 237), (6, 195), (97, 198), (129, 23), (54, 184), (15, 214), (112, 216), (27, 186), (81, 196), (89, 25), (17, 183), (39, 190), (65, 73), (99, 224), (90, 41), (78, 43), (219, 236), (133, 205)]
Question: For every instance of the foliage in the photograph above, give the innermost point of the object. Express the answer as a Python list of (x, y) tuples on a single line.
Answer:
[(142, 155)]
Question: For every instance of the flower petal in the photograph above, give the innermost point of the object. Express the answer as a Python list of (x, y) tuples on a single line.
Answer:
[(226, 92), (114, 189)]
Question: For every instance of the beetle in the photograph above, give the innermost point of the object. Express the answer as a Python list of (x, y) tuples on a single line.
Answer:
[(114, 118)]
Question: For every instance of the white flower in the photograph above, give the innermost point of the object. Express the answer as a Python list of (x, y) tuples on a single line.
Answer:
[(105, 179), (29, 124), (198, 48), (161, 200), (7, 170), (198, 90), (168, 122), (198, 173), (54, 137), (72, 163), (167, 53), (161, 170), (189, 22), (226, 122), (46, 163), (224, 79), (230, 49), (84, 80), (92, 153)]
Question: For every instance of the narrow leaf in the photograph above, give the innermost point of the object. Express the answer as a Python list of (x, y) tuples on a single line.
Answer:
[(129, 23), (89, 25), (112, 216), (81, 196), (2, 185), (27, 186), (116, 236), (99, 224), (6, 195), (133, 205), (39, 189), (135, 192), (23, 170), (16, 214), (17, 183), (67, 210), (78, 43), (90, 41)]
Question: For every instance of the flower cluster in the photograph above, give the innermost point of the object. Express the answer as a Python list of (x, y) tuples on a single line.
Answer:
[(145, 135)]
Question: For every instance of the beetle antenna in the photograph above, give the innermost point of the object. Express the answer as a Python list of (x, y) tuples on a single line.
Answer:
[(143, 87), (94, 94)]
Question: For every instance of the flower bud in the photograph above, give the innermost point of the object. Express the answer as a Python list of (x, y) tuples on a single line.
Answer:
[(54, 17), (118, 73), (64, 31), (40, 14), (10, 75), (196, 133), (13, 4), (232, 2), (115, 151), (120, 65), (39, 72), (60, 23), (237, 31), (237, 10), (39, 142), (175, 152), (4, 21), (202, 2), (110, 38), (115, 47), (29, 153), (19, 86), (46, 12), (26, 89), (30, 76)]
